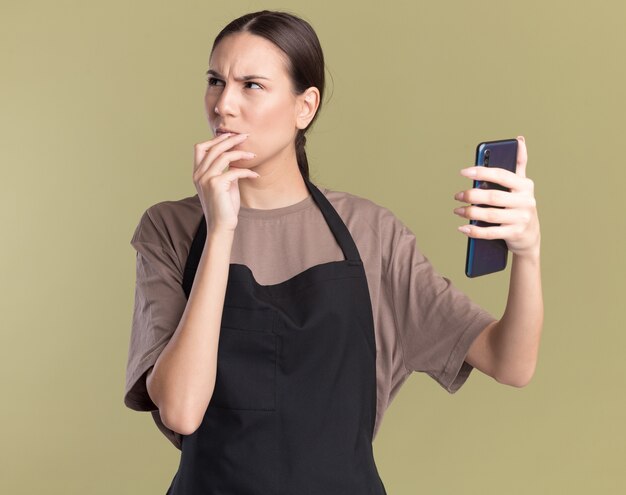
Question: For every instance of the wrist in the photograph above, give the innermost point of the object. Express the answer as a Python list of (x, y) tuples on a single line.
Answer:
[(530, 257), (218, 235)]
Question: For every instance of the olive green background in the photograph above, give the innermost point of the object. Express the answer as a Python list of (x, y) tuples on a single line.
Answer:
[(102, 103)]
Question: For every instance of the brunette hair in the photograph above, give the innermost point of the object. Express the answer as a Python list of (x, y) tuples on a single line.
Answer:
[(297, 39)]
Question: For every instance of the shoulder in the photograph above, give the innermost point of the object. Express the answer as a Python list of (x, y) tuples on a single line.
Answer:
[(376, 230), (362, 213), (169, 222)]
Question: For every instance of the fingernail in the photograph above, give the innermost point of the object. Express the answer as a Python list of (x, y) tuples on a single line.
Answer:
[(465, 229), (521, 138), (471, 172)]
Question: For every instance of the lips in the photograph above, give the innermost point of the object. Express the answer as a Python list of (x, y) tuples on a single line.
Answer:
[(222, 130)]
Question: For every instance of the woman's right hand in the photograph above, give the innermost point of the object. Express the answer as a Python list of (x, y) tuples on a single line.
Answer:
[(219, 191)]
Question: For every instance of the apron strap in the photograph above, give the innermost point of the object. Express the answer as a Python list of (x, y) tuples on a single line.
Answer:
[(193, 260), (336, 224)]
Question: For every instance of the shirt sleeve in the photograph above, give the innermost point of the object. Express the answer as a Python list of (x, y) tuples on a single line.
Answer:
[(436, 323), (159, 304)]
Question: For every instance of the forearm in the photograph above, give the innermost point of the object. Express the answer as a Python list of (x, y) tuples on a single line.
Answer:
[(515, 339), (183, 379)]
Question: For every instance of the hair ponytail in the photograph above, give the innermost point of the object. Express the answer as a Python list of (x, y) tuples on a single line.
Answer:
[(303, 162)]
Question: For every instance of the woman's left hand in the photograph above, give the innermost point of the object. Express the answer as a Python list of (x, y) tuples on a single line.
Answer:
[(519, 223)]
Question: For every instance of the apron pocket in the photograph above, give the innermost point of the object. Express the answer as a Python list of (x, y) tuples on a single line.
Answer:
[(246, 370)]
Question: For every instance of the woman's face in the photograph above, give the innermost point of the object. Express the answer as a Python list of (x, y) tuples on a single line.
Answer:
[(263, 106)]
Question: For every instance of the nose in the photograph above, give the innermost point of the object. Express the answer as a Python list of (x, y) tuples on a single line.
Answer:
[(225, 104)]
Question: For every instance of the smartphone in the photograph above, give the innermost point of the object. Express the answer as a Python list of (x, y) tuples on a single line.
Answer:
[(486, 256)]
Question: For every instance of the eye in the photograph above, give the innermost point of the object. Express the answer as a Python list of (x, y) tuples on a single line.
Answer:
[(212, 80), (250, 82)]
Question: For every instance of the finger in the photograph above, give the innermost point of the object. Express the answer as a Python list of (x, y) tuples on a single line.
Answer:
[(215, 151), (200, 149), (234, 174), (522, 157), (497, 175), (492, 215), (495, 197), (241, 173), (217, 167), (493, 232), (217, 146)]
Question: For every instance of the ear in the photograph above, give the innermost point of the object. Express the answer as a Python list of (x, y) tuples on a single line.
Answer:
[(306, 106)]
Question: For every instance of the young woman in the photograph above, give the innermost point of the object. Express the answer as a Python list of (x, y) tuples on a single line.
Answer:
[(274, 320)]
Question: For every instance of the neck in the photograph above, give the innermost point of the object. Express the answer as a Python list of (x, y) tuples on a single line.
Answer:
[(281, 184)]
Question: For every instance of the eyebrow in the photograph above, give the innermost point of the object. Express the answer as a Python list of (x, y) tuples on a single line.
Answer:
[(243, 78)]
